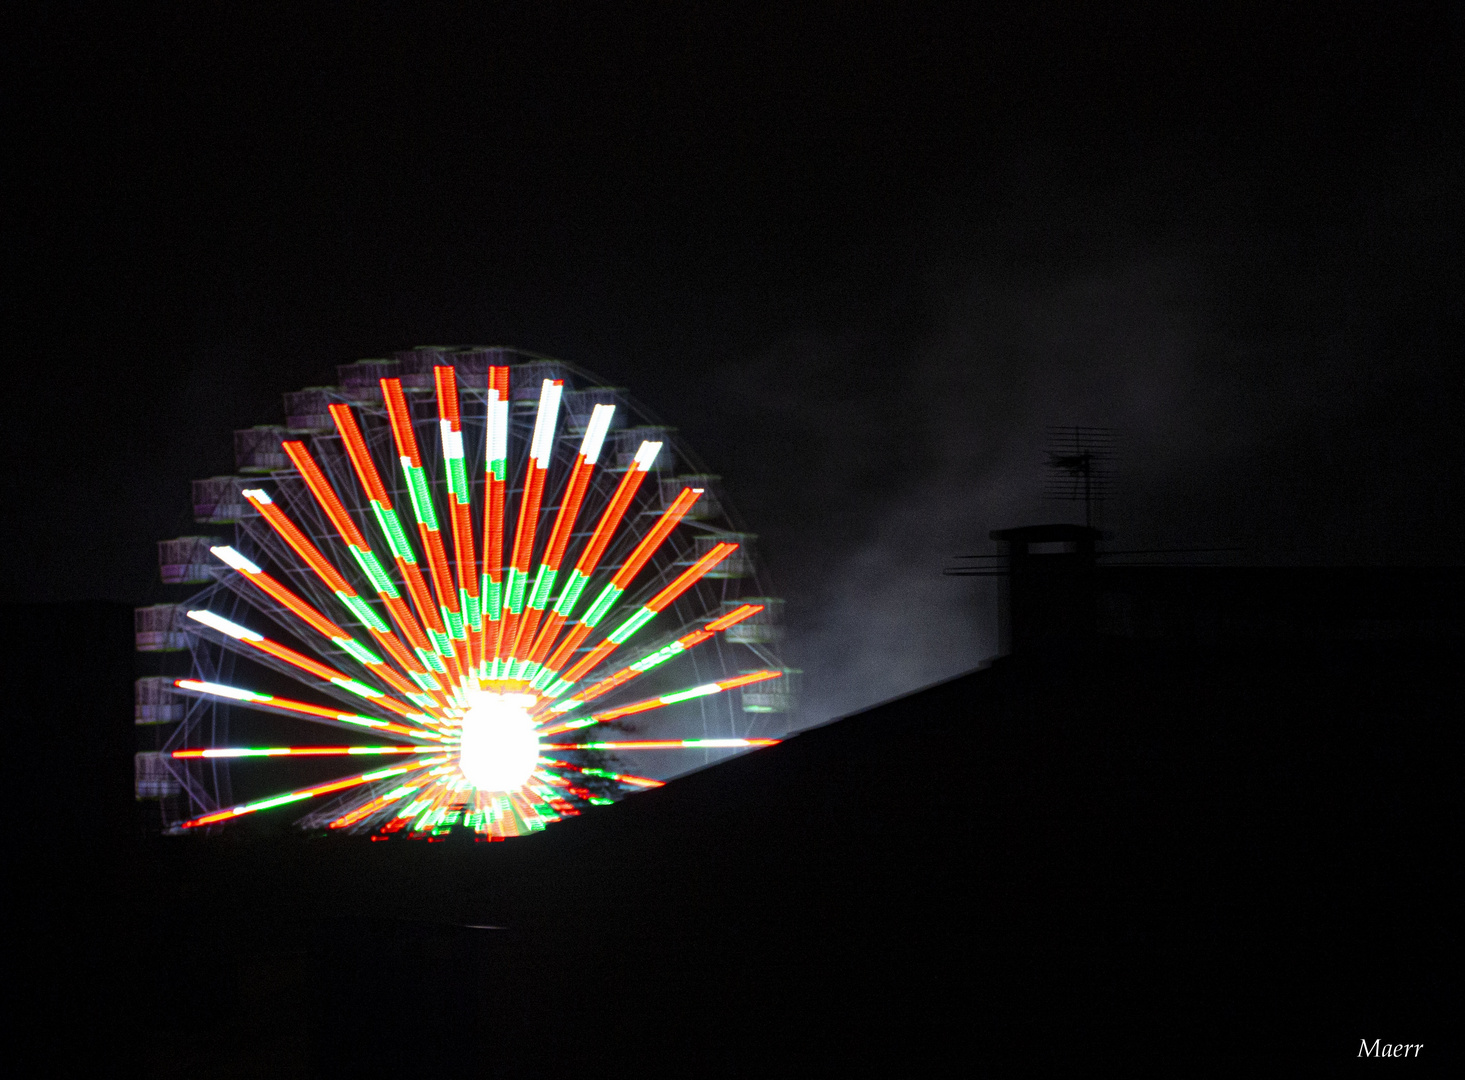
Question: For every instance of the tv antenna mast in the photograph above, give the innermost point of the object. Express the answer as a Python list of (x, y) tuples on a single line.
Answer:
[(1080, 467)]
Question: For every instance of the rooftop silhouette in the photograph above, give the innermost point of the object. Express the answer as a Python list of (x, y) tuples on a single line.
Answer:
[(1123, 851)]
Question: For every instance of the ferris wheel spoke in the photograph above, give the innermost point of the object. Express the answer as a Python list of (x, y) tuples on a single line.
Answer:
[(545, 679), (320, 624), (559, 537), (511, 645), (620, 778), (590, 557), (669, 651), (495, 487), (387, 520), (429, 652), (272, 703), (375, 805), (643, 615), (667, 744), (460, 513), (303, 751), (705, 690), (418, 793), (502, 815), (250, 639), (445, 619), (305, 793), (418, 668)]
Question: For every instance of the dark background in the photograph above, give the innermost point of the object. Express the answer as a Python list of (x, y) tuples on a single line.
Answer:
[(860, 254)]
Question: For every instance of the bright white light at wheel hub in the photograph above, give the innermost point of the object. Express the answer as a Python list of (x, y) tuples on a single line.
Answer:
[(500, 748)]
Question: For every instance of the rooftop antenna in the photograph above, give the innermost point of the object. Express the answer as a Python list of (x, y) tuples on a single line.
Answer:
[(1080, 467)]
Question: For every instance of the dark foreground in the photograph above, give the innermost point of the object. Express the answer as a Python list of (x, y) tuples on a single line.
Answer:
[(1102, 861)]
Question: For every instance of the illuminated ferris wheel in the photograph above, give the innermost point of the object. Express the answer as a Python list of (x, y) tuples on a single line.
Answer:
[(511, 593)]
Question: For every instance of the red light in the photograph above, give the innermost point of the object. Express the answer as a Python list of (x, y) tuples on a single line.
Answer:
[(401, 419), (744, 680), (446, 379), (690, 576), (652, 540), (559, 536), (302, 546), (366, 469), (589, 660), (324, 494), (290, 656), (306, 613), (737, 615), (609, 521)]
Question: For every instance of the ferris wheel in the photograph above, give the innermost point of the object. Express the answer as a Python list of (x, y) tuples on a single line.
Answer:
[(482, 589)]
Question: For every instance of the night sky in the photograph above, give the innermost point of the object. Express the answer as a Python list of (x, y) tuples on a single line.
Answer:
[(860, 255)]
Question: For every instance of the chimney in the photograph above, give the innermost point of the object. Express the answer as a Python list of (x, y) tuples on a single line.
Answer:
[(1047, 597)]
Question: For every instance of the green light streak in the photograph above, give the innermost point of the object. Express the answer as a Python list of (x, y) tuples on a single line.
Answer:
[(391, 526), (373, 570), (360, 652), (362, 610), (660, 656), (687, 695), (543, 583), (493, 598), (360, 721), (421, 497), (631, 625), (441, 641), (573, 588), (383, 773), (357, 688), (458, 480), (608, 596), (280, 801), (515, 589)]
